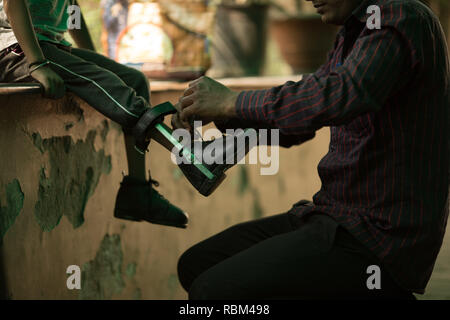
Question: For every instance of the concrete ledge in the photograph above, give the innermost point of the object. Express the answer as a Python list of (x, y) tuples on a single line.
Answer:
[(19, 88), (234, 83)]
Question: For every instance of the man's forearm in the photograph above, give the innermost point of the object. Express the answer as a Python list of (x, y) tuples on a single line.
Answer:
[(285, 141), (81, 36), (19, 17)]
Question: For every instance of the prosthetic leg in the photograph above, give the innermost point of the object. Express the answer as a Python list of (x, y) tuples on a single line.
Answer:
[(204, 177)]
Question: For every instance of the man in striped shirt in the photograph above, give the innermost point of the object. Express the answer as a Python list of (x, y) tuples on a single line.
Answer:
[(384, 93)]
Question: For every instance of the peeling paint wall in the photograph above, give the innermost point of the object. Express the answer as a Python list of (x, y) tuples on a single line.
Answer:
[(60, 169), (102, 277), (75, 169), (14, 204)]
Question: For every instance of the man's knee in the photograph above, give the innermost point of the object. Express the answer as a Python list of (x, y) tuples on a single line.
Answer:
[(206, 287), (218, 284), (186, 267), (199, 290)]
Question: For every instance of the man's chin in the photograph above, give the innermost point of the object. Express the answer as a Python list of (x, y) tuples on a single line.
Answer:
[(329, 20)]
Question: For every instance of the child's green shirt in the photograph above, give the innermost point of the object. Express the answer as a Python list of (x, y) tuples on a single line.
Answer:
[(50, 21)]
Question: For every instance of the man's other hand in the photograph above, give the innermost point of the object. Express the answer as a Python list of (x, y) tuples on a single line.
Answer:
[(207, 100), (53, 84)]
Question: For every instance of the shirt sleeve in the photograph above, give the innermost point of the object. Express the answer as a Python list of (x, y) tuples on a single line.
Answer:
[(285, 141), (379, 64)]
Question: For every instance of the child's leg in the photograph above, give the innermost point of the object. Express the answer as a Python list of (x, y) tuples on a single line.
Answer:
[(105, 91), (136, 160), (132, 78), (100, 88), (93, 83), (138, 81)]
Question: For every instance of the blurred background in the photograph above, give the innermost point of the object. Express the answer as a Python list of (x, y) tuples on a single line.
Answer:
[(246, 37), (57, 197)]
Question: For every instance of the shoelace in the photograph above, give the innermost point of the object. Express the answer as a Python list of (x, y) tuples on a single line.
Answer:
[(159, 195), (154, 182)]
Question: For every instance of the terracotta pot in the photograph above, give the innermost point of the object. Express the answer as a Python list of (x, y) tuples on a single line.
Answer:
[(304, 41)]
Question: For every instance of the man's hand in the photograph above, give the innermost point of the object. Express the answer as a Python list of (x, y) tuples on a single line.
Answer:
[(207, 100), (176, 119), (53, 84)]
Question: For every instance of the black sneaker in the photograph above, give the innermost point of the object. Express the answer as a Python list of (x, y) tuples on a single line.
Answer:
[(137, 201), (207, 177)]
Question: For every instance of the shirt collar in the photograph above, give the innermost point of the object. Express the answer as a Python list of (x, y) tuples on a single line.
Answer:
[(360, 12)]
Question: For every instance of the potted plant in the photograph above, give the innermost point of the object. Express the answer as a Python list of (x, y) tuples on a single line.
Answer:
[(303, 39)]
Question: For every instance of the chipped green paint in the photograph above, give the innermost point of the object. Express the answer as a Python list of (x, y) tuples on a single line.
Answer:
[(115, 126), (131, 270), (68, 126), (75, 170), (37, 141), (177, 173), (14, 204), (71, 106), (105, 130), (102, 278), (172, 284), (257, 208), (243, 180), (137, 294)]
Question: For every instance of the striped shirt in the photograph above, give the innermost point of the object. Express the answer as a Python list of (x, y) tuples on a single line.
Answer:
[(385, 96)]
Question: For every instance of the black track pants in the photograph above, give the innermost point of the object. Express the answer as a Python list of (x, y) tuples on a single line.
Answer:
[(117, 91)]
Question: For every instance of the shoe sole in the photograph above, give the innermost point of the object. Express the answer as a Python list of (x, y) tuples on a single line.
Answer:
[(131, 218)]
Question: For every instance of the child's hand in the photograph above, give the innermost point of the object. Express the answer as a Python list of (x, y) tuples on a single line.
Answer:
[(53, 84)]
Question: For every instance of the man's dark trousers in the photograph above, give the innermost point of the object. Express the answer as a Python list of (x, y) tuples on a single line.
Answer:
[(283, 257)]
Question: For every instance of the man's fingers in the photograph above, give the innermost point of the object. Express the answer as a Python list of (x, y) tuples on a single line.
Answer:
[(189, 91), (177, 106), (187, 101), (195, 81), (176, 122), (188, 113)]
